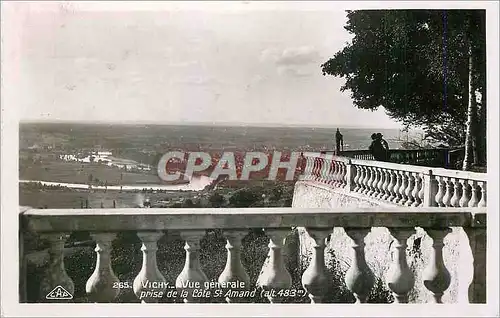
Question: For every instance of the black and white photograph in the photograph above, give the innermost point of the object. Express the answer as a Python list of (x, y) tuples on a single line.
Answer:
[(249, 158)]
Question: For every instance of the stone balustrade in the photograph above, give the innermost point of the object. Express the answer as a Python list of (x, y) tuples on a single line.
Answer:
[(151, 224), (403, 185)]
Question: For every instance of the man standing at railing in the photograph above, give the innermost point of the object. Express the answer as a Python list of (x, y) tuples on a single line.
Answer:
[(339, 142)]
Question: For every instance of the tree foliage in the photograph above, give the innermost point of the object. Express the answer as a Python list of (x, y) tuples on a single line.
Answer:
[(244, 198), (415, 64), (217, 200)]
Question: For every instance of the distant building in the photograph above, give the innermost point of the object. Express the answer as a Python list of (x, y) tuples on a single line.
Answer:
[(104, 153)]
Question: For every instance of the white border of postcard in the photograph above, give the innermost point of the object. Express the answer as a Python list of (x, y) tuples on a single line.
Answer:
[(10, 196)]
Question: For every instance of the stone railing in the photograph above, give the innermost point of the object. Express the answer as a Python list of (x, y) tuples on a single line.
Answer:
[(405, 185), (274, 281), (405, 156)]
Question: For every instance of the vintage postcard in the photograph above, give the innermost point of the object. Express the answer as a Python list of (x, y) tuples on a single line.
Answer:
[(249, 158)]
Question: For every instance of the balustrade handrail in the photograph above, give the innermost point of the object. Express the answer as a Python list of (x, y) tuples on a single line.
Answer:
[(56, 225), (460, 174), (392, 166), (112, 220), (401, 150), (478, 176), (326, 155)]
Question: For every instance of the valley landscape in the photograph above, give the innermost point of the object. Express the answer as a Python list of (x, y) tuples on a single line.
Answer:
[(55, 170)]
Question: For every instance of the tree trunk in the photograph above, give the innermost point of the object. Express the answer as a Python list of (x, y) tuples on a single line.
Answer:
[(471, 111), (481, 127), (482, 149)]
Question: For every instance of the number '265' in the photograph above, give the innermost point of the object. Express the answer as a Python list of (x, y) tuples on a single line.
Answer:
[(122, 285)]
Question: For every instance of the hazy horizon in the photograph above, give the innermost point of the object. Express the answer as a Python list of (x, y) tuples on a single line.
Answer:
[(220, 124)]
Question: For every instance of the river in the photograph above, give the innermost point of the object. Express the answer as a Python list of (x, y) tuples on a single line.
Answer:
[(196, 184)]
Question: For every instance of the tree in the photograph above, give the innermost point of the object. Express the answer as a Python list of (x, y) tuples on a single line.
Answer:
[(217, 200), (415, 64), (244, 198), (188, 203)]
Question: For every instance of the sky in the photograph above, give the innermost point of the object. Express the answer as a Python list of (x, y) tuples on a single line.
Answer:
[(243, 63)]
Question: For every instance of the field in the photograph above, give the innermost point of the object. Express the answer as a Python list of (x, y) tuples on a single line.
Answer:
[(76, 199), (72, 172)]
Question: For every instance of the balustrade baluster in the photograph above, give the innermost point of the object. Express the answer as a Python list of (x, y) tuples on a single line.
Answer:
[(464, 200), (357, 178), (317, 167), (102, 285), (366, 188), (421, 192), (392, 185), (380, 183), (369, 180), (477, 242), (308, 170), (385, 186), (337, 173), (316, 279), (323, 171), (313, 168), (192, 276), (376, 180), (373, 181), (455, 199), (343, 174), (332, 173), (359, 278), (326, 172), (234, 272), (340, 174), (441, 191), (474, 200), (409, 189), (363, 179), (482, 202), (149, 284), (416, 190), (321, 168), (402, 188), (400, 278), (274, 278), (448, 194), (56, 276), (397, 186), (436, 277)]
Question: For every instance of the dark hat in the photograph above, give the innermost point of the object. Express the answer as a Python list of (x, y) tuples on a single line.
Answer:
[(374, 135), (379, 135)]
